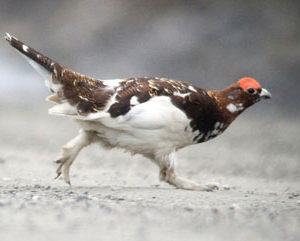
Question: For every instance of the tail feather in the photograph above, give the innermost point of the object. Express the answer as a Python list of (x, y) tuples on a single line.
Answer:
[(74, 94), (48, 65)]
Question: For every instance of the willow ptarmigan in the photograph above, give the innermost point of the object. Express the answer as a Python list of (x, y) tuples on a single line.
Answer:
[(153, 117)]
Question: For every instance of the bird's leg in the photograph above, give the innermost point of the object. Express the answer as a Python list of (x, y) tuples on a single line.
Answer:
[(70, 151), (167, 174)]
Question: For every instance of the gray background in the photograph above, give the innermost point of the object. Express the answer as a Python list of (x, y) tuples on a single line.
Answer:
[(116, 196)]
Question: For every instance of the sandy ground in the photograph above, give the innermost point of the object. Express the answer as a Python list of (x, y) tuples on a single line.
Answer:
[(118, 197)]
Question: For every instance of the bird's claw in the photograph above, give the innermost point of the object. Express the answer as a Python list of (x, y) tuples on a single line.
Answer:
[(213, 186), (58, 175)]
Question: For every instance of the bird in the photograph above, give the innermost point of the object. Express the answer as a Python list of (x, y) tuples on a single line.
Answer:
[(151, 116)]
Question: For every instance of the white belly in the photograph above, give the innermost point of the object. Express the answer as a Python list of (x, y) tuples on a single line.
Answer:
[(153, 127)]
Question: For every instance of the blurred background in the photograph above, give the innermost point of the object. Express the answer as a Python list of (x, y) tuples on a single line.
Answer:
[(210, 43)]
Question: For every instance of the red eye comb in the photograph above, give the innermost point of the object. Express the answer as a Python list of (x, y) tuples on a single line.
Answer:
[(247, 82)]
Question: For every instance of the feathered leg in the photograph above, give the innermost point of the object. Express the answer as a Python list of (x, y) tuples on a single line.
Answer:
[(167, 174), (70, 151)]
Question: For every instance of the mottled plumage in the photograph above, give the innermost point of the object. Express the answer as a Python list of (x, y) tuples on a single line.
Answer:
[(150, 116)]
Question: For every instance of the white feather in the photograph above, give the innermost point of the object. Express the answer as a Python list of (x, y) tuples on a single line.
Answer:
[(232, 108), (134, 100), (192, 88), (150, 128), (25, 48), (8, 36), (112, 83), (182, 95), (64, 109)]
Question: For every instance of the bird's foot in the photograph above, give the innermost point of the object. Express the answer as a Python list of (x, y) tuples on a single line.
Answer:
[(63, 169), (209, 187), (213, 185), (183, 183), (202, 187)]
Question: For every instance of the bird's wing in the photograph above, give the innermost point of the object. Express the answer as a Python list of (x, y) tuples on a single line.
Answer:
[(157, 113), (138, 99)]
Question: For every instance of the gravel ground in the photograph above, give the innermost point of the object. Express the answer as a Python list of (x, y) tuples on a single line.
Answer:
[(118, 197)]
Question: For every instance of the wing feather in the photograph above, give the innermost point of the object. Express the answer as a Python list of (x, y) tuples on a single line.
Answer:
[(157, 113)]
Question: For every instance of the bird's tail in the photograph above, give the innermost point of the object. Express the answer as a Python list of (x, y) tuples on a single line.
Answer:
[(41, 63), (71, 91)]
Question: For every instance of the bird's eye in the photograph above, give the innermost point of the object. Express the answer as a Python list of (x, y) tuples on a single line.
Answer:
[(251, 91)]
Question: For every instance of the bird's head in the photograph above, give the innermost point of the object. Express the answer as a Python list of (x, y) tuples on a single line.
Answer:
[(253, 90), (242, 94)]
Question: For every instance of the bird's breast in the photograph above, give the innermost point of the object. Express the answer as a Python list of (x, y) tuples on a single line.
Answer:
[(203, 136)]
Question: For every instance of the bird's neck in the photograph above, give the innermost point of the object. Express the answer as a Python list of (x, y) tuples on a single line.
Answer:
[(228, 102)]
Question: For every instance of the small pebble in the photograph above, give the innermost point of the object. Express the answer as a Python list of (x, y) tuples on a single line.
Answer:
[(188, 209), (226, 187), (273, 193), (234, 206), (292, 195), (35, 197), (109, 197), (81, 198), (215, 210)]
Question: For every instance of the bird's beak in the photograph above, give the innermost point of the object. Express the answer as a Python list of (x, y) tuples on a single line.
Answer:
[(264, 94)]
